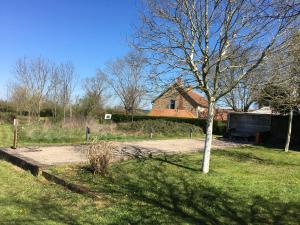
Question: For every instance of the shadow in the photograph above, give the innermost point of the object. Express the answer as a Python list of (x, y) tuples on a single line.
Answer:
[(150, 193), (29, 201), (37, 211), (244, 157), (136, 152), (240, 156), (175, 160), (234, 140)]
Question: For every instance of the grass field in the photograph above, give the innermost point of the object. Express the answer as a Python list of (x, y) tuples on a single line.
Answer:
[(25, 200), (6, 135), (245, 186), (252, 185)]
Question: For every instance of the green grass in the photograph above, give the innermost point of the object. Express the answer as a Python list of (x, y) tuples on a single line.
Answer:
[(245, 186), (6, 135), (28, 200)]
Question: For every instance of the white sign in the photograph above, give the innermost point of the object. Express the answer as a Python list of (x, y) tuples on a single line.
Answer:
[(107, 117), (15, 122)]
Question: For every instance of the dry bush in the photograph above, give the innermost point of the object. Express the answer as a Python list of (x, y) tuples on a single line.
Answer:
[(99, 155)]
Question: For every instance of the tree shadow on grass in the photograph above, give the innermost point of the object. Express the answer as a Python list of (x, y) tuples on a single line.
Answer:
[(240, 156), (155, 195), (56, 206)]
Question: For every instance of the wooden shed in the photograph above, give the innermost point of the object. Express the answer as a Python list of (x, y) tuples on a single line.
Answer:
[(247, 125)]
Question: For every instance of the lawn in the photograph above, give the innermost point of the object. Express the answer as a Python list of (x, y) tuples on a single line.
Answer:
[(250, 185), (6, 135), (25, 199)]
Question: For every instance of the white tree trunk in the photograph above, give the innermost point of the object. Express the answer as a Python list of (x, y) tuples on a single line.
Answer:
[(289, 131), (208, 137)]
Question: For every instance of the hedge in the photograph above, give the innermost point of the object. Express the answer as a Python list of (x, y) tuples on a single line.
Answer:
[(219, 126), (161, 127)]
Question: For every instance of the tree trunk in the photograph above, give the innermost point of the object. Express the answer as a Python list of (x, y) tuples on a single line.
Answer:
[(208, 136), (55, 110), (64, 113), (39, 111), (289, 131)]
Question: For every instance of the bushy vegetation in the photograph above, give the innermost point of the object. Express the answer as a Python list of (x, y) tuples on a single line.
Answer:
[(161, 127), (249, 185), (99, 155), (48, 131), (37, 133), (219, 126), (6, 117)]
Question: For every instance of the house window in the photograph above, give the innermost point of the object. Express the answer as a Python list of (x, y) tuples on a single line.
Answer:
[(172, 104)]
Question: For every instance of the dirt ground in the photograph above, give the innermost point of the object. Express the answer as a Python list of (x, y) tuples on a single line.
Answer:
[(77, 154)]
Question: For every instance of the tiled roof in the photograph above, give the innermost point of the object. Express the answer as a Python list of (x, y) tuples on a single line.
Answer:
[(198, 98), (171, 113)]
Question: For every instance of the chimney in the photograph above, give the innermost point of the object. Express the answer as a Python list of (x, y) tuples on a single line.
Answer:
[(189, 88), (179, 80)]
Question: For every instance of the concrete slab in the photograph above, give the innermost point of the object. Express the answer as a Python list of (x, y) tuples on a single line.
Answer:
[(53, 155)]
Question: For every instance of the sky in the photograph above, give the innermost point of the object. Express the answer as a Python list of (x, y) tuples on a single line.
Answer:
[(86, 32)]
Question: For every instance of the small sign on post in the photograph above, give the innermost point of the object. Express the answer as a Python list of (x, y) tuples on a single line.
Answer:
[(15, 143), (87, 134), (107, 117)]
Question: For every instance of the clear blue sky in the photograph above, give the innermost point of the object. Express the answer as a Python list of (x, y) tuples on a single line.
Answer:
[(86, 32)]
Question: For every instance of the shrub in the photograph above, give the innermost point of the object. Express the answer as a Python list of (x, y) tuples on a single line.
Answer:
[(160, 127), (99, 155), (219, 126), (7, 117)]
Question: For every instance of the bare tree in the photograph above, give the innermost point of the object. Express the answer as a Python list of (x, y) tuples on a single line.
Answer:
[(242, 97), (19, 97), (93, 100), (199, 40), (39, 79), (67, 76), (126, 78), (32, 76), (54, 93), (284, 9), (282, 92)]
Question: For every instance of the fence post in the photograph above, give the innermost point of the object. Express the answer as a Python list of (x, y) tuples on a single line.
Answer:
[(151, 132), (191, 133), (15, 143), (87, 134)]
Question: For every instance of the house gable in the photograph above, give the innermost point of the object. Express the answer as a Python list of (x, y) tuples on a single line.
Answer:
[(180, 101)]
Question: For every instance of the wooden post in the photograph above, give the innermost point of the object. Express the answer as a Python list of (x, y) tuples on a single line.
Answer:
[(151, 132), (15, 143), (87, 134), (191, 133)]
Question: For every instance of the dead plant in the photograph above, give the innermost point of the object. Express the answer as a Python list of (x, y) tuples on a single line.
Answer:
[(99, 155)]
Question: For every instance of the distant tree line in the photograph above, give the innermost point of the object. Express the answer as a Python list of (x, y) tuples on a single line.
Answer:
[(40, 87)]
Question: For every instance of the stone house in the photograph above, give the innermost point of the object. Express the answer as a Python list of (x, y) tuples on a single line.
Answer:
[(181, 101)]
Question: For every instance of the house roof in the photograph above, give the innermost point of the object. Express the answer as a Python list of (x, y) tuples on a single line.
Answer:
[(198, 98), (171, 113), (193, 97)]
